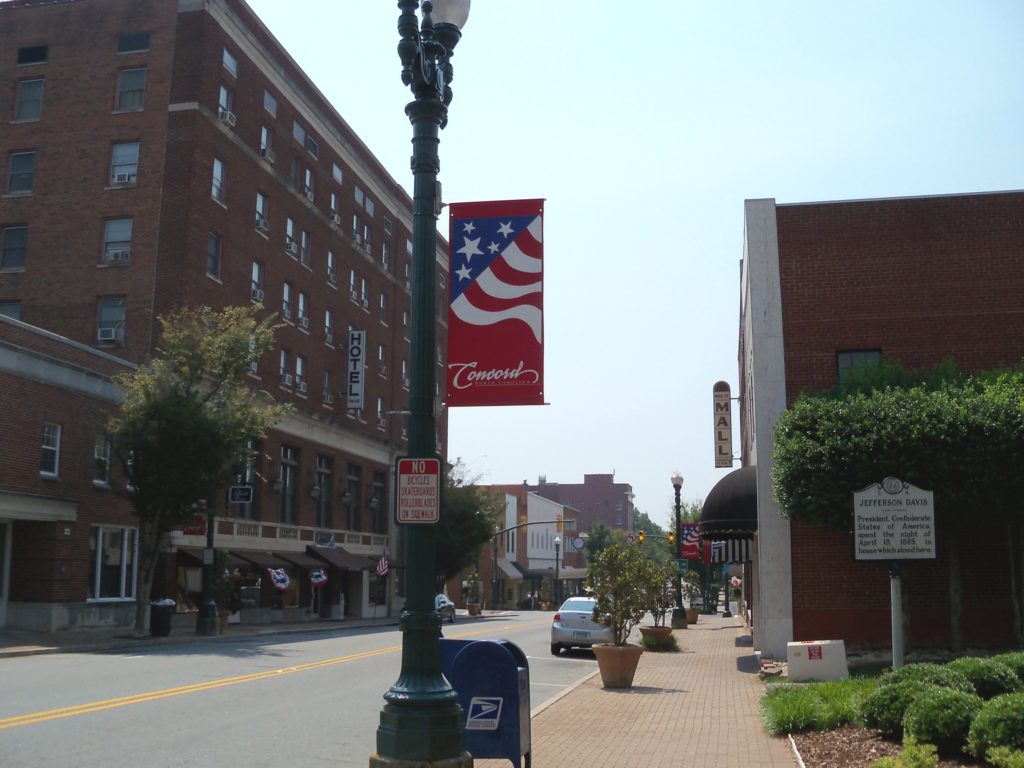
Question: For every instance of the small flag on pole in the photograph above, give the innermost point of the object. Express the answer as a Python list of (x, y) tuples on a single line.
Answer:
[(382, 564)]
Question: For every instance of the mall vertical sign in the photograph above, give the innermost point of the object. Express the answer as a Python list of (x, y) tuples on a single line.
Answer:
[(723, 425)]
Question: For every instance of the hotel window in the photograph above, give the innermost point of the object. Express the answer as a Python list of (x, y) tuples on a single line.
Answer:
[(300, 373), (15, 245), (290, 245), (381, 417), (230, 62), (385, 255), (124, 163), (378, 502), (262, 207), (313, 147), (213, 246), (28, 100), (257, 282), (329, 326), (327, 388), (847, 362), (217, 183), (225, 99), (303, 310), (32, 54), (334, 203), (298, 133), (21, 172), (117, 241), (101, 461), (289, 490), (134, 43), (286, 301), (247, 475), (112, 556), (332, 276), (304, 247), (336, 172), (286, 368), (364, 292), (353, 483), (405, 323), (324, 468), (11, 309), (269, 103), (131, 87), (49, 459), (384, 308), (309, 182), (266, 141), (353, 285), (110, 323)]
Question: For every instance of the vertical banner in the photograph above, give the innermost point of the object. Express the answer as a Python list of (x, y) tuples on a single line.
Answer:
[(691, 549), (355, 374), (723, 424), (496, 308)]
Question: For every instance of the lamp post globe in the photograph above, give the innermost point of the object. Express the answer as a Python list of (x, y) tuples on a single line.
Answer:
[(421, 722)]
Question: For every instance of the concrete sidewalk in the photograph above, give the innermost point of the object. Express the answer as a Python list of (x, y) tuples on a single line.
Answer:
[(696, 708)]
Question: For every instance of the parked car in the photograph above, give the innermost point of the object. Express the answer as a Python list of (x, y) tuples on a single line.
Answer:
[(445, 608), (573, 626)]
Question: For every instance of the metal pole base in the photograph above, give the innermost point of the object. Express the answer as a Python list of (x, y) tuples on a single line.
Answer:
[(465, 760), (413, 736), (207, 620)]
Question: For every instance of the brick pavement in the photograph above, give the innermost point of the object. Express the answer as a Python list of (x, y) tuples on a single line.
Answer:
[(697, 708)]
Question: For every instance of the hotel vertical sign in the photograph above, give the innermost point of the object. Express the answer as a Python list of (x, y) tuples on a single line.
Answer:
[(723, 425), (355, 376)]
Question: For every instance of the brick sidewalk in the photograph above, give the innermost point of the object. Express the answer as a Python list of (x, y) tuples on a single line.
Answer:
[(695, 708)]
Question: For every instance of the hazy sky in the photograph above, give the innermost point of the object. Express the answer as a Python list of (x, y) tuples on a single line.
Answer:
[(645, 125)]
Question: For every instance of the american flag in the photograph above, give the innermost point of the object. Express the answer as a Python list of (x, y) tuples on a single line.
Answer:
[(497, 271), (382, 564), (691, 549)]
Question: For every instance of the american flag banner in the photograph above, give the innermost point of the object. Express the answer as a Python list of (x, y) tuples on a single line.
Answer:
[(318, 577), (279, 577), (496, 308), (691, 548), (382, 564)]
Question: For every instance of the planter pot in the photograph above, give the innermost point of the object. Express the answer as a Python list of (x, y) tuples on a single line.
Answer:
[(692, 614), (658, 633), (617, 664), (473, 608)]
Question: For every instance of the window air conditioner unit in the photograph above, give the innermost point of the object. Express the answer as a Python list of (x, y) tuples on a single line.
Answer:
[(354, 295), (291, 246), (405, 382), (118, 257), (380, 420), (366, 303), (268, 154), (124, 178), (405, 433), (357, 238), (262, 224), (408, 285), (304, 321), (301, 386), (309, 194), (286, 379), (329, 339), (367, 249), (107, 334), (332, 278), (257, 295), (336, 219), (227, 117), (383, 369), (327, 398)]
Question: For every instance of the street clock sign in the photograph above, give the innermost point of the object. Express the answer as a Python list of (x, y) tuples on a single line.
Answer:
[(893, 520)]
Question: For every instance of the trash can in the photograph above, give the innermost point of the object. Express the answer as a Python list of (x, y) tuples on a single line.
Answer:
[(160, 613)]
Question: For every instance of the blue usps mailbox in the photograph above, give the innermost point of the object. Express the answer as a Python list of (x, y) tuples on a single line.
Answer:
[(492, 679)]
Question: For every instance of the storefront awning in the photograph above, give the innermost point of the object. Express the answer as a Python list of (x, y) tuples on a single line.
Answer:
[(731, 551), (300, 559), (261, 559), (570, 572), (730, 510), (341, 558), (509, 569), (20, 506), (191, 557)]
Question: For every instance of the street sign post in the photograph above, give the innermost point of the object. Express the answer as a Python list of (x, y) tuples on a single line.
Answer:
[(419, 491)]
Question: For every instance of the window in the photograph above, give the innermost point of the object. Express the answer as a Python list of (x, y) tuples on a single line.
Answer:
[(117, 241), (353, 284), (352, 493), (300, 373), (225, 99), (384, 309), (262, 220), (21, 171), (323, 493), (364, 292), (286, 368), (286, 301), (289, 471), (101, 461), (360, 196), (217, 185), (124, 163), (257, 281), (303, 310), (230, 62), (213, 246), (304, 248), (49, 459), (387, 225), (290, 245), (332, 276), (327, 389), (847, 362), (385, 255), (312, 147), (266, 143), (131, 87), (247, 475), (32, 54), (378, 502), (405, 374), (405, 323), (336, 172), (15, 244), (28, 100), (11, 309), (269, 103), (133, 43), (110, 325), (381, 417), (329, 326), (112, 557), (334, 203), (298, 133), (309, 181)]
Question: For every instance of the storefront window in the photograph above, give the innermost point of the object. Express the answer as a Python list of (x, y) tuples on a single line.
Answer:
[(112, 553)]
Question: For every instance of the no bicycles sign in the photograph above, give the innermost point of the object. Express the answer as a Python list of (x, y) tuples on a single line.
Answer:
[(419, 491)]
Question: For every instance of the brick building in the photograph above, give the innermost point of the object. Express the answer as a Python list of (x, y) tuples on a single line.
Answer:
[(159, 154), (828, 286)]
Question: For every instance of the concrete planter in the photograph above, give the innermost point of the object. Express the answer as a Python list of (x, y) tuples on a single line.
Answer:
[(658, 633), (617, 664)]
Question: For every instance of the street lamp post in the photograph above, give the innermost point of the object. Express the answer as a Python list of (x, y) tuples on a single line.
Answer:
[(558, 584), (494, 569), (677, 484), (421, 722), (207, 622)]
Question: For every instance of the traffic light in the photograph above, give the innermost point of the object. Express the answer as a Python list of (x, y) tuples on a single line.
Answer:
[(671, 537), (641, 536)]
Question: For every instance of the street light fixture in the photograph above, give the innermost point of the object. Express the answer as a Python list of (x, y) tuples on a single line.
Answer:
[(558, 584), (421, 722), (677, 484)]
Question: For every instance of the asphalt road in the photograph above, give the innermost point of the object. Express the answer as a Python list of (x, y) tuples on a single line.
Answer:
[(300, 700)]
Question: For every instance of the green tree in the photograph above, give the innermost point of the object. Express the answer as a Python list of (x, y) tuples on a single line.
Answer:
[(469, 514), (959, 436), (187, 416), (599, 537)]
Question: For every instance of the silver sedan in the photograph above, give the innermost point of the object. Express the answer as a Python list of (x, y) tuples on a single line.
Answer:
[(574, 627)]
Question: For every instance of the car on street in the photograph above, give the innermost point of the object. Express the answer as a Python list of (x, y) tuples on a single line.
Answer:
[(445, 608), (573, 626)]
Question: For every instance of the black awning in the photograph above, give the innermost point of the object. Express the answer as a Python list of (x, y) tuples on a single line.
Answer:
[(341, 558), (730, 510), (192, 557), (300, 559), (261, 558)]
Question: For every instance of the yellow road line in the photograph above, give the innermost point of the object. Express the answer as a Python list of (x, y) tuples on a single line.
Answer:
[(139, 698)]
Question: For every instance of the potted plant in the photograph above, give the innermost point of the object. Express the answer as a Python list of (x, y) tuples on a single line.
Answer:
[(659, 601), (224, 592), (691, 585), (472, 592), (618, 578)]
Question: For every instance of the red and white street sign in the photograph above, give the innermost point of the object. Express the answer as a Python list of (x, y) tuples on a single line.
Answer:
[(419, 491)]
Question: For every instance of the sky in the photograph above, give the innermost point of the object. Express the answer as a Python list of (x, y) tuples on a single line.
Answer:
[(645, 125)]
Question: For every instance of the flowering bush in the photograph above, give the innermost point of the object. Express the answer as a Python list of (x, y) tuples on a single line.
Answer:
[(619, 579)]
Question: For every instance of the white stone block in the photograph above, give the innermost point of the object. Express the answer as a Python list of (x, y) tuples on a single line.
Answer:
[(816, 660)]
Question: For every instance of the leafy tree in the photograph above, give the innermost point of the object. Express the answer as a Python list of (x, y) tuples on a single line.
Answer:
[(469, 514), (599, 537), (959, 436), (187, 416)]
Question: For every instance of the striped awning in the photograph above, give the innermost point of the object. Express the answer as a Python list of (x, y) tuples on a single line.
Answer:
[(730, 551)]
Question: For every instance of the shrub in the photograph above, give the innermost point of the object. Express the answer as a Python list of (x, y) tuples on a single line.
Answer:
[(1014, 660), (1004, 757), (792, 709), (843, 699), (989, 677), (1000, 723), (914, 755), (930, 674), (658, 645), (942, 716), (885, 706)]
